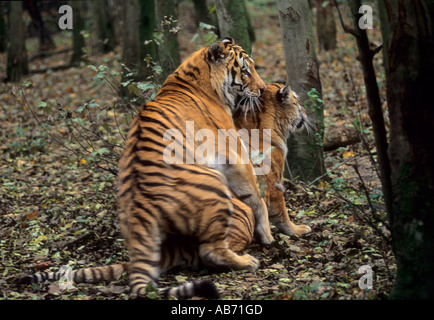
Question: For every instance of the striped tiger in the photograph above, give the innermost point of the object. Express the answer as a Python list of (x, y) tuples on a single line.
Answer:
[(157, 198), (161, 195), (284, 113), (280, 112)]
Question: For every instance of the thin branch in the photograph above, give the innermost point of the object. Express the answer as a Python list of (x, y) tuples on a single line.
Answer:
[(368, 198), (333, 169), (376, 50), (346, 28), (358, 212), (41, 125), (53, 68)]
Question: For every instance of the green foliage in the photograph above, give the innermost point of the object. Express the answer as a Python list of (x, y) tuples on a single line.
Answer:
[(93, 132), (23, 144), (206, 35), (314, 101)]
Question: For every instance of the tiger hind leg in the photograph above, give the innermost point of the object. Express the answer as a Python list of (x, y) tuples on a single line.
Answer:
[(144, 247), (214, 248)]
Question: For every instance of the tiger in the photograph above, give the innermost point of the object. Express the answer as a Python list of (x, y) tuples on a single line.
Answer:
[(157, 197), (160, 195), (282, 113)]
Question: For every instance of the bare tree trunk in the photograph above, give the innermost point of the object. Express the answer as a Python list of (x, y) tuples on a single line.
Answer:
[(147, 27), (78, 42), (130, 45), (17, 54), (366, 55), (103, 25), (3, 37), (45, 41), (233, 22), (305, 152), (408, 46), (202, 12), (326, 27)]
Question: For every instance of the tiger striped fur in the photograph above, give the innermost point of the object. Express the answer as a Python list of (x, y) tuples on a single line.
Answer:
[(284, 113), (280, 112), (157, 198)]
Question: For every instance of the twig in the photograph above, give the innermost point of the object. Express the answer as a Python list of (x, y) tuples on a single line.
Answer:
[(346, 28), (367, 195), (117, 123), (40, 124), (376, 50), (333, 169), (54, 68), (360, 216), (47, 54)]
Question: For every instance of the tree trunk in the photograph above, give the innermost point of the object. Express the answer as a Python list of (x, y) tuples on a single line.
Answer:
[(168, 50), (305, 153), (326, 27), (103, 26), (202, 12), (45, 41), (17, 54), (3, 36), (366, 55), (78, 42), (233, 22), (130, 44), (147, 27), (408, 45)]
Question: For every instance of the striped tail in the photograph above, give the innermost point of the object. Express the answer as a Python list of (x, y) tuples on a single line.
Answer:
[(199, 288), (87, 275)]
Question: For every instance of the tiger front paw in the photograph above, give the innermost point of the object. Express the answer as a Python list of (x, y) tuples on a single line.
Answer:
[(302, 229), (250, 262)]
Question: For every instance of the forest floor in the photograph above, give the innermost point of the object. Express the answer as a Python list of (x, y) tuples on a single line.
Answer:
[(58, 208)]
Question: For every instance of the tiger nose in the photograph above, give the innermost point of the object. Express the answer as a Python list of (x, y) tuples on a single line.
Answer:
[(262, 87)]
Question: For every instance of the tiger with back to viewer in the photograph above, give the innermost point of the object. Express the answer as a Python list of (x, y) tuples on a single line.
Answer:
[(280, 112), (157, 199)]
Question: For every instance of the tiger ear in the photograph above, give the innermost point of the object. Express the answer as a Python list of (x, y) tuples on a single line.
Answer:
[(284, 93), (228, 40), (215, 52)]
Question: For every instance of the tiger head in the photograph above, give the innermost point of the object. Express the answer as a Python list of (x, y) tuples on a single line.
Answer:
[(289, 114), (280, 111), (233, 75), (225, 70)]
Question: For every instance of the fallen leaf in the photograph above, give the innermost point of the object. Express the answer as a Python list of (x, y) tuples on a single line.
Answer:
[(32, 215), (253, 279), (294, 248), (41, 266), (348, 154)]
